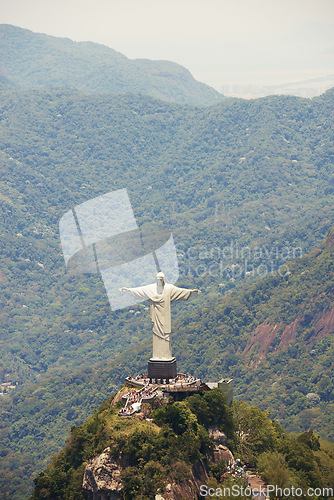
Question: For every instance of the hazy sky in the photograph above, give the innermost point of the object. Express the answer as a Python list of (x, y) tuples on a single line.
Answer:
[(219, 41)]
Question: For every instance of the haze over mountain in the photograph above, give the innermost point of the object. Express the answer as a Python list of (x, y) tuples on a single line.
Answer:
[(240, 43), (298, 62)]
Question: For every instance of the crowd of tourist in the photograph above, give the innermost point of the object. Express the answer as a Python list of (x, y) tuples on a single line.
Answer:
[(235, 469), (181, 379), (134, 400), (135, 396)]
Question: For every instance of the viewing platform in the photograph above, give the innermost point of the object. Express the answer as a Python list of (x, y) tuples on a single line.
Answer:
[(182, 382), (144, 390)]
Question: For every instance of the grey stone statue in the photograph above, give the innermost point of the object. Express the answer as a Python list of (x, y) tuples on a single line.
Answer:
[(160, 296)]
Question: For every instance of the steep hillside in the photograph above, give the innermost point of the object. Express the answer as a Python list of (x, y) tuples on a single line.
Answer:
[(276, 340), (37, 61)]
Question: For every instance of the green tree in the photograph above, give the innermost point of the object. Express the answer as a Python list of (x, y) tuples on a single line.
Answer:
[(257, 433), (178, 416), (212, 411), (273, 468)]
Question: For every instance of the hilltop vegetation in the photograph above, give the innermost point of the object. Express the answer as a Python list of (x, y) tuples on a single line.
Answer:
[(152, 455)]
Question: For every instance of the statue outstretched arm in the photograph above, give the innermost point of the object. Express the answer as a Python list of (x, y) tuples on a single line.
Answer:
[(182, 293), (139, 293)]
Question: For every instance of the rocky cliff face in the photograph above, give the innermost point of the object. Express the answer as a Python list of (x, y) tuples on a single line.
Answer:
[(102, 477), (186, 490), (279, 336), (221, 452)]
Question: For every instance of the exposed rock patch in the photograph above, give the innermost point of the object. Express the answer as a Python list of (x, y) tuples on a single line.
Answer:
[(221, 452), (218, 436), (103, 476), (266, 336)]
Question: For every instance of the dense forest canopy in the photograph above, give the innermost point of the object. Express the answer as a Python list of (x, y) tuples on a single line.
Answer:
[(204, 182), (209, 175)]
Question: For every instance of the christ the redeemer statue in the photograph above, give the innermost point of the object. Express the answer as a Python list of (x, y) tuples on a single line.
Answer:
[(160, 295)]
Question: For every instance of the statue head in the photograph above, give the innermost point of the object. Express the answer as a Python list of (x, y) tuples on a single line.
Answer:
[(160, 279), (160, 282)]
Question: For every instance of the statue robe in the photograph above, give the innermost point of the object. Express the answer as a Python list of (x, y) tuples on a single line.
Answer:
[(160, 313)]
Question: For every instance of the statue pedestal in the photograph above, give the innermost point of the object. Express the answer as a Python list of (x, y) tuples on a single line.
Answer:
[(161, 369)]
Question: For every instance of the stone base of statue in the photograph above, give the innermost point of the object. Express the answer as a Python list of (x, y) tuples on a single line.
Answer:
[(161, 369)]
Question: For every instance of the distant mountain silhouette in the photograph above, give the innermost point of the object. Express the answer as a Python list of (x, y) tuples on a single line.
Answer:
[(34, 60)]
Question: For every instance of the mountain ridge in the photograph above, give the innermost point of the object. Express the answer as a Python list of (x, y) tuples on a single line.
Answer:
[(35, 60)]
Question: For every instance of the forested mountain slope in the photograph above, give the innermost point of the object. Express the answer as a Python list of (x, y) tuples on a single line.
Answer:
[(275, 338), (255, 175), (37, 61)]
